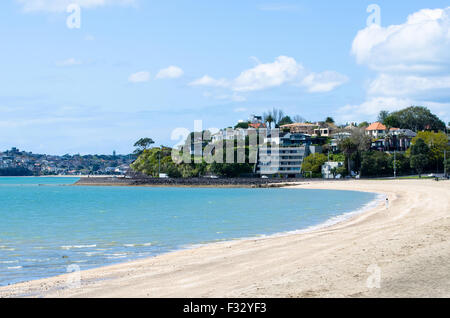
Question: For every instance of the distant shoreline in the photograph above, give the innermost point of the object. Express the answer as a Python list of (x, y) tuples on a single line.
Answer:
[(190, 182)]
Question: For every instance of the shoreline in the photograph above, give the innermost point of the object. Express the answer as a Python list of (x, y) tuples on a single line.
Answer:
[(171, 267)]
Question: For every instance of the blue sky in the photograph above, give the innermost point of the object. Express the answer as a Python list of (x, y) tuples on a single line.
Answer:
[(140, 68)]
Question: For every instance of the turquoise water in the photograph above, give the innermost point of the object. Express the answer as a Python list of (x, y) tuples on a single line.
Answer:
[(46, 226)]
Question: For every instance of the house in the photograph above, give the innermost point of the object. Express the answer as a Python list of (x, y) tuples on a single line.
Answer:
[(397, 139), (300, 128), (376, 130), (338, 137), (254, 119), (328, 167)]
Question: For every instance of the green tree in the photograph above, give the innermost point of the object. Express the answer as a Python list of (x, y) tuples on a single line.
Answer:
[(419, 162), (437, 144), (269, 120), (348, 147), (329, 120), (364, 124), (286, 120), (382, 116), (375, 163), (142, 144), (416, 118), (243, 125), (314, 163), (419, 156)]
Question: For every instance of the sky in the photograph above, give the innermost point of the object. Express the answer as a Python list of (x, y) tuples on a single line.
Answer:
[(94, 76)]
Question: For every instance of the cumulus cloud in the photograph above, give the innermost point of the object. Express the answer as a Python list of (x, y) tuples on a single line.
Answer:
[(170, 72), (284, 70), (411, 63), (61, 5), (139, 77), (373, 105), (209, 82), (421, 44), (323, 82), (410, 85)]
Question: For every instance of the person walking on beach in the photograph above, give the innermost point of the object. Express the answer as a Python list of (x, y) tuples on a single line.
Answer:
[(387, 203)]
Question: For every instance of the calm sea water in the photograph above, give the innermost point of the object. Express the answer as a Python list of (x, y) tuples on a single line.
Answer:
[(46, 225)]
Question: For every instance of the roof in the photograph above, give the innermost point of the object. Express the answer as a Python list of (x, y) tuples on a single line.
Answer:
[(257, 125), (298, 125), (376, 126)]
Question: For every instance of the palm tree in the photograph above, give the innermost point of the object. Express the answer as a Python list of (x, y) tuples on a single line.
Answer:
[(269, 119), (348, 147)]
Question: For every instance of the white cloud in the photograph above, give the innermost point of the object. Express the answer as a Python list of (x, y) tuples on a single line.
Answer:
[(323, 82), (410, 85), (210, 82), (421, 44), (69, 62), (61, 5), (284, 69), (240, 110), (170, 72), (369, 110), (411, 61), (139, 77)]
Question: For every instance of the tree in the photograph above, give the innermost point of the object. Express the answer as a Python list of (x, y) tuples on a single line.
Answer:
[(314, 163), (364, 124), (243, 125), (382, 116), (269, 119), (329, 120), (276, 115), (375, 163), (416, 118), (142, 144), (298, 119), (437, 143), (348, 147), (419, 156), (286, 120), (419, 162), (419, 148)]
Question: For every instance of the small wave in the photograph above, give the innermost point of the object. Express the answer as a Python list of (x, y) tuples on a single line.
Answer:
[(137, 245), (8, 262), (15, 267), (69, 247), (116, 257)]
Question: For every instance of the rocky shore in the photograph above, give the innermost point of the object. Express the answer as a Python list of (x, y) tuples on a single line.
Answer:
[(191, 182)]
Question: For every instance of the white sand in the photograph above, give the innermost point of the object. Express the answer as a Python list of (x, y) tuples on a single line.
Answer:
[(409, 243)]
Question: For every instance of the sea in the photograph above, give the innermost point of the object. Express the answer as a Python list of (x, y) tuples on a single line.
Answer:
[(49, 227)]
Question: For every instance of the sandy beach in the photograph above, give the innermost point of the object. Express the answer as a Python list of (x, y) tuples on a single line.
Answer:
[(408, 242)]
